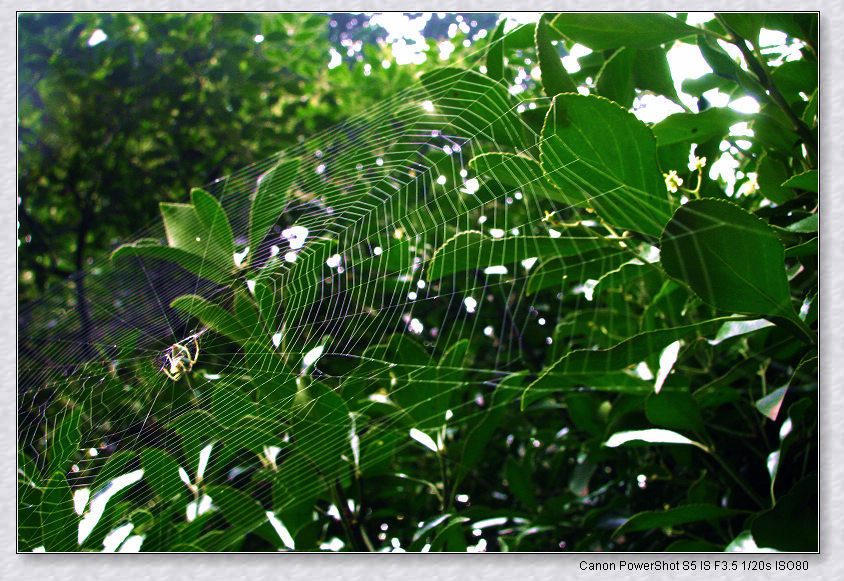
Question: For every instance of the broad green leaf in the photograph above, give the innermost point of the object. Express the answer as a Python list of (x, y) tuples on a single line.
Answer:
[(807, 225), (270, 200), (162, 473), (795, 77), (272, 378), (194, 263), (601, 31), (566, 271), (626, 274), (771, 174), (113, 468), (266, 299), (746, 24), (807, 180), (65, 441), (615, 81), (706, 82), (323, 430), (474, 105), (653, 519), (186, 231), (59, 522), (808, 248), (723, 64), (495, 54), (513, 172), (246, 436), (625, 354), (297, 482), (213, 218), (674, 409), (652, 73), (601, 155), (30, 493), (696, 127), (197, 428), (472, 250), (555, 77), (792, 524), (474, 443), (241, 510), (213, 316), (521, 37), (729, 257), (230, 405), (519, 482), (583, 411)]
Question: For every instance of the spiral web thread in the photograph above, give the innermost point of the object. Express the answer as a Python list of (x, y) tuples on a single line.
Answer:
[(379, 196)]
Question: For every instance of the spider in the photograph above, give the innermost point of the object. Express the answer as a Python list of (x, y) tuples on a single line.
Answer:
[(179, 360)]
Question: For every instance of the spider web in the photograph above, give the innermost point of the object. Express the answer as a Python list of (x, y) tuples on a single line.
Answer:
[(400, 286)]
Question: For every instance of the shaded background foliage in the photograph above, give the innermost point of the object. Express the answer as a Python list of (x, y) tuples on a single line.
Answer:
[(173, 101)]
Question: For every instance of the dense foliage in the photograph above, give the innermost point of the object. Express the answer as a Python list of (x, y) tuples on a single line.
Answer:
[(641, 375)]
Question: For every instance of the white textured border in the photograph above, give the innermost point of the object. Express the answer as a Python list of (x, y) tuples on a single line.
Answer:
[(524, 567)]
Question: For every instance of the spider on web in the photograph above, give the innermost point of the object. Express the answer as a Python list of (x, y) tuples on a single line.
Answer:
[(178, 358)]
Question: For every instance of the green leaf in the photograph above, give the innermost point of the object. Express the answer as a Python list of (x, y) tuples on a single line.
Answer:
[(272, 378), (627, 353), (230, 405), (241, 510), (186, 231), (513, 172), (266, 299), (746, 24), (162, 473), (59, 522), (771, 174), (474, 105), (323, 430), (297, 482), (795, 77), (555, 77), (674, 409), (807, 225), (519, 482), (213, 317), (729, 257), (475, 250), (270, 200), (601, 155), (113, 468), (475, 442), (723, 64), (792, 525), (615, 81), (601, 31), (495, 53), (563, 272), (197, 428), (213, 218), (807, 180), (696, 127), (652, 73), (653, 519), (194, 263), (65, 442)]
